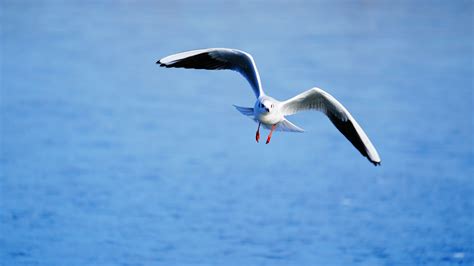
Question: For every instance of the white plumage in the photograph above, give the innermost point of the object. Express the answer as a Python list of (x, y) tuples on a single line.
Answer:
[(268, 111)]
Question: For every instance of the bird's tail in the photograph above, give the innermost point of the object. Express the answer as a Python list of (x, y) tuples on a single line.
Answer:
[(287, 126), (284, 125), (244, 110)]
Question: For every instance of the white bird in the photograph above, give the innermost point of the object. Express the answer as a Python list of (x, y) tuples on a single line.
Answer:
[(268, 111)]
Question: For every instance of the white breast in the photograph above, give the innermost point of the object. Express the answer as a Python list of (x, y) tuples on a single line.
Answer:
[(268, 118)]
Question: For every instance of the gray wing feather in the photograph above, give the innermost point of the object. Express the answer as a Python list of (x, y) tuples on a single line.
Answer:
[(317, 99), (215, 59)]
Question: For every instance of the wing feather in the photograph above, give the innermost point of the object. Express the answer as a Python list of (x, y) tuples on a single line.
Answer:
[(318, 99), (216, 59)]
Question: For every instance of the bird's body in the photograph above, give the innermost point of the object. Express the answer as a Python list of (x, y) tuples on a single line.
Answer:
[(269, 112), (271, 117)]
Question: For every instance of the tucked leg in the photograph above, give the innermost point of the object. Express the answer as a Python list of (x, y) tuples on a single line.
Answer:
[(257, 136), (270, 135)]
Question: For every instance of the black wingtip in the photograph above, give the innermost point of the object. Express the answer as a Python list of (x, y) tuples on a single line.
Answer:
[(161, 64), (375, 163)]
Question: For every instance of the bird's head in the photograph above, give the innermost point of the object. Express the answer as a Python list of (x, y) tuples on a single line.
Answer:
[(266, 106)]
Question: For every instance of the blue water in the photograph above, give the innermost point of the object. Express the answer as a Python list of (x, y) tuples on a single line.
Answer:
[(107, 159)]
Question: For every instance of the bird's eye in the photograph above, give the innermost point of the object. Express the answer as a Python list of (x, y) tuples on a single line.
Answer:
[(272, 105)]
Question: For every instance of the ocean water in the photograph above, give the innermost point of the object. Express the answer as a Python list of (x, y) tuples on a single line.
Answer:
[(108, 159)]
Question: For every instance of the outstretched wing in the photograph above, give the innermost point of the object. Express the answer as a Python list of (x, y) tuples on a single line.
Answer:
[(217, 58), (317, 99)]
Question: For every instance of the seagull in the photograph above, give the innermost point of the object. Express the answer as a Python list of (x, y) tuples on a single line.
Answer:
[(267, 111)]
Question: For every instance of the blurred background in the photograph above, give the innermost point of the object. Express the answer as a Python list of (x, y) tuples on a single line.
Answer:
[(108, 159)]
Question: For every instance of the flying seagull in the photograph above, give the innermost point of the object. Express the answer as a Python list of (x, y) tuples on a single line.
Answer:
[(269, 112)]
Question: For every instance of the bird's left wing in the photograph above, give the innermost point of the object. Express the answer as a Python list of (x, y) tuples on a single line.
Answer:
[(218, 58), (317, 99)]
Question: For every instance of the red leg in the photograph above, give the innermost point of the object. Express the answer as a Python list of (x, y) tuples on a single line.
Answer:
[(270, 135), (257, 136)]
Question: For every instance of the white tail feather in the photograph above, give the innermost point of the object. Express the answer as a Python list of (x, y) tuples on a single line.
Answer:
[(287, 126), (244, 110)]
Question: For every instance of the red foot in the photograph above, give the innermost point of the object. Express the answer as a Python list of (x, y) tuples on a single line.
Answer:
[(257, 136), (270, 135)]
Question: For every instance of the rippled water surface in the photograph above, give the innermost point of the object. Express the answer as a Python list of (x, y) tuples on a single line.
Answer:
[(107, 159)]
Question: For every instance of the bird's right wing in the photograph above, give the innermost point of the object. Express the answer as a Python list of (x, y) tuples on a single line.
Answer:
[(218, 58), (317, 99)]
